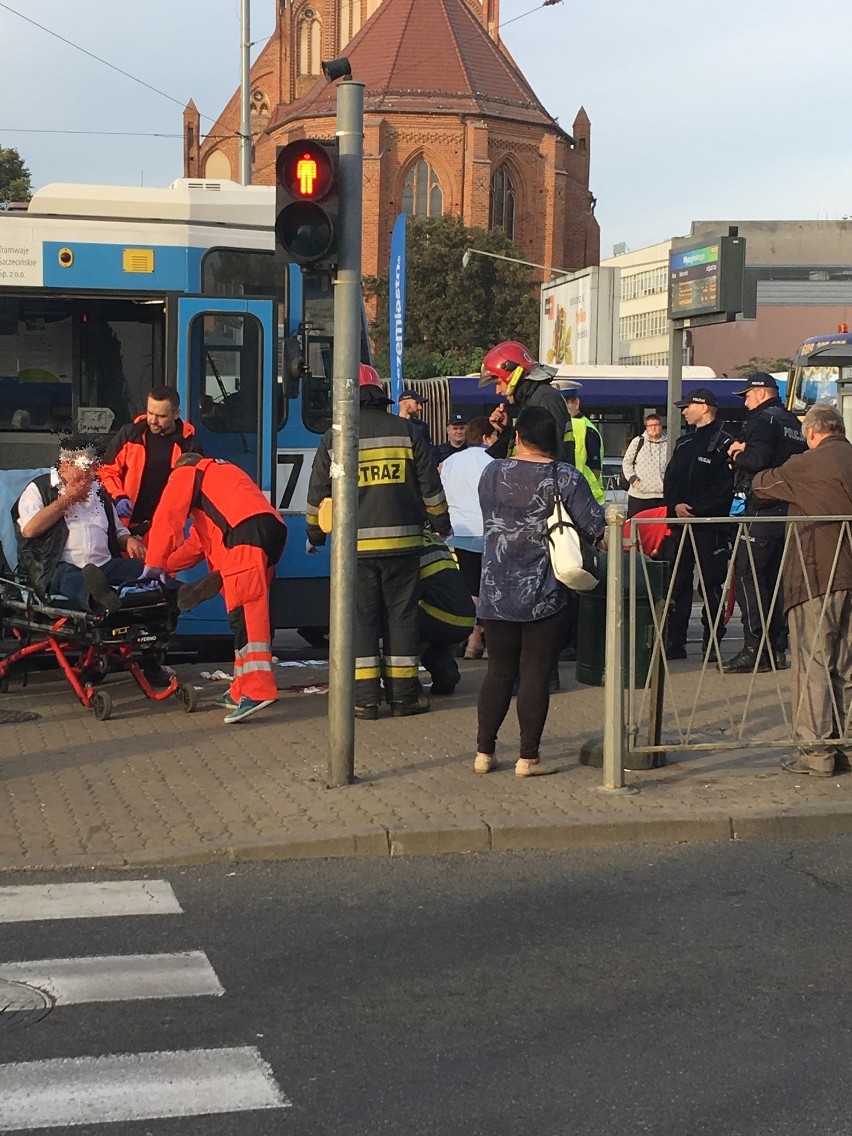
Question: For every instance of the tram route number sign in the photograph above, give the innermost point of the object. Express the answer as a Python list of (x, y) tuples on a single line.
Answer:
[(293, 473), (706, 278)]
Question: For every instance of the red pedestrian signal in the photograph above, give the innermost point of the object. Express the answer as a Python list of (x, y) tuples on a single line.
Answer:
[(305, 175)]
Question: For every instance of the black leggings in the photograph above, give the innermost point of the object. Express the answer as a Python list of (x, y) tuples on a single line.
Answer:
[(527, 651)]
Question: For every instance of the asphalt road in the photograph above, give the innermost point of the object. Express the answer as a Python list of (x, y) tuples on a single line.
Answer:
[(673, 990)]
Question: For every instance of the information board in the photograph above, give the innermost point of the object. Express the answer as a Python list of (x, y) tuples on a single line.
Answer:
[(694, 280), (706, 278)]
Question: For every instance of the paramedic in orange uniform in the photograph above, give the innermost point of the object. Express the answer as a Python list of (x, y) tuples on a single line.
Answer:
[(242, 537)]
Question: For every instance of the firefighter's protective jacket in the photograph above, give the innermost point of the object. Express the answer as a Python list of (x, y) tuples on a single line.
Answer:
[(398, 485), (124, 459), (227, 508), (447, 613)]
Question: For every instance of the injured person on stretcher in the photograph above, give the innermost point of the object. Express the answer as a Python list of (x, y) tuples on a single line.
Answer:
[(72, 544)]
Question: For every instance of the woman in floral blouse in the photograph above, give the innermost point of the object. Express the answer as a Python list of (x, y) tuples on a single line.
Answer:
[(522, 605)]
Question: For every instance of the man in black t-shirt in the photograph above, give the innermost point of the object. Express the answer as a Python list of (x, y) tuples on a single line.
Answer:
[(139, 459)]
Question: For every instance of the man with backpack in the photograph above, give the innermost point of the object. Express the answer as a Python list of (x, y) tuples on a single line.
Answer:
[(643, 467)]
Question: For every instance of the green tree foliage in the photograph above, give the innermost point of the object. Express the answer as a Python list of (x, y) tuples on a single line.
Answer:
[(761, 363), (454, 314), (15, 181)]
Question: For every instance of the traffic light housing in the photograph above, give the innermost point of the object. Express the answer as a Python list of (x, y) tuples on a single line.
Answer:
[(307, 202)]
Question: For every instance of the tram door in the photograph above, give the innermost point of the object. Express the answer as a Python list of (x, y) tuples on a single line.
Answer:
[(227, 384), (227, 380)]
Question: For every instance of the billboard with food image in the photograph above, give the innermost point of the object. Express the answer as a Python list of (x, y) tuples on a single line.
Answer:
[(579, 318)]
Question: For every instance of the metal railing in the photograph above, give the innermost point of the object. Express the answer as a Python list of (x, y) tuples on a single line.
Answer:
[(693, 705)]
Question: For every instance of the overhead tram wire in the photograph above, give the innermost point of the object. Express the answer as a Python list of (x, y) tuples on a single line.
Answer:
[(99, 133), (156, 90), (106, 63), (531, 12)]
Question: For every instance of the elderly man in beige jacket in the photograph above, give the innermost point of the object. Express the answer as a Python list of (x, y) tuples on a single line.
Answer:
[(818, 589)]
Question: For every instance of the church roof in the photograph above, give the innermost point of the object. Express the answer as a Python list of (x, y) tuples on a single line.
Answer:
[(432, 56)]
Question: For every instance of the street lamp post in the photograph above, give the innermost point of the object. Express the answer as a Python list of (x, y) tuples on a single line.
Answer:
[(468, 253)]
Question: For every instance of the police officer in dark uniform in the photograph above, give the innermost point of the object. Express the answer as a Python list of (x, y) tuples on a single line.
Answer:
[(698, 482), (772, 435), (456, 441)]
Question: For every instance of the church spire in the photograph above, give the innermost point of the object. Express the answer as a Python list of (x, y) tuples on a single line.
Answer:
[(491, 9)]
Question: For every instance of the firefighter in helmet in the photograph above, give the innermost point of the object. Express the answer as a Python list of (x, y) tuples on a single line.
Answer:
[(523, 381)]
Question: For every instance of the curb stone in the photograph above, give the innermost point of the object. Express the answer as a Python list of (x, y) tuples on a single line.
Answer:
[(442, 840)]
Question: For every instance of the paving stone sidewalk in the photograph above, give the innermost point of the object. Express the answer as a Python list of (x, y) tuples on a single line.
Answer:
[(154, 785)]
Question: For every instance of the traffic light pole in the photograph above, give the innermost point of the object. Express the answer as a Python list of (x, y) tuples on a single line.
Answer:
[(344, 465), (245, 106)]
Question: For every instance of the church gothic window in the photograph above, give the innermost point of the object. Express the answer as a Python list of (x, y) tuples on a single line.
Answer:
[(422, 195), (348, 21), (310, 46), (259, 102), (502, 202)]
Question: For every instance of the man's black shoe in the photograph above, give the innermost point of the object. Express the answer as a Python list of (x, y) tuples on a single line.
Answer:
[(841, 762), (99, 588), (781, 663), (675, 651), (406, 709), (746, 662), (446, 687), (367, 713), (196, 592), (568, 654)]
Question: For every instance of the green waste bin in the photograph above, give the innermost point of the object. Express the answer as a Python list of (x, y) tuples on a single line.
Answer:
[(591, 627)]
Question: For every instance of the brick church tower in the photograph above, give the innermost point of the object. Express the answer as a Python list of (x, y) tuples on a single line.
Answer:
[(450, 123)]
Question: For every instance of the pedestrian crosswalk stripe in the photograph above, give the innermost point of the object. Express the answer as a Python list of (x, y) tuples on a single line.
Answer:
[(116, 978), (135, 1086), (32, 902)]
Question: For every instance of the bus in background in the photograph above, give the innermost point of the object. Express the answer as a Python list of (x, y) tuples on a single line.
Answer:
[(810, 380), (616, 398), (108, 291)]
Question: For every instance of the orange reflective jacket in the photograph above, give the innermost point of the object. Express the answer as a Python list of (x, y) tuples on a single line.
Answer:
[(227, 509), (124, 459)]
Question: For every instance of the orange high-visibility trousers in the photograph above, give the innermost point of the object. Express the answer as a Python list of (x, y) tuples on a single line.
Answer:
[(246, 577)]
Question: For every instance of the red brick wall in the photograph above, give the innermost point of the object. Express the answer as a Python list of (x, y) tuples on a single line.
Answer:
[(554, 223)]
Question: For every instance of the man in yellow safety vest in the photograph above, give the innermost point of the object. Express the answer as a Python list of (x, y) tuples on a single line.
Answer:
[(588, 447)]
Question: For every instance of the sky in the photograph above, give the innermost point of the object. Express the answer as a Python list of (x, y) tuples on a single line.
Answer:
[(739, 110)]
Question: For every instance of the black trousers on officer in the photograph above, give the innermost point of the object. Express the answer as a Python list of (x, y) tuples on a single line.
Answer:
[(767, 549), (713, 549), (386, 609)]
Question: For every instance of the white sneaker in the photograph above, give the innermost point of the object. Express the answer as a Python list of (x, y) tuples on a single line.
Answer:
[(526, 768)]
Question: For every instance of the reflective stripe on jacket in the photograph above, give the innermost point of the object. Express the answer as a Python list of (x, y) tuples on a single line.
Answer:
[(447, 613), (579, 428), (398, 486)]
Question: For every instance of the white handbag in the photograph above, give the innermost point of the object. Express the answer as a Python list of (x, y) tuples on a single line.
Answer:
[(574, 559)]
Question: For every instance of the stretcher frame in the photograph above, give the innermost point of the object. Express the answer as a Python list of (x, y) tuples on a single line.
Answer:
[(85, 643)]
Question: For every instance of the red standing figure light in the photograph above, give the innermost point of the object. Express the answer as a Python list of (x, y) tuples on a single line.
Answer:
[(306, 175)]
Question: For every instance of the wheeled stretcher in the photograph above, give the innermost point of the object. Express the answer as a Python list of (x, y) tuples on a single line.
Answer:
[(88, 646)]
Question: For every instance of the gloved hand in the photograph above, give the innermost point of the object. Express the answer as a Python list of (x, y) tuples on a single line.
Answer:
[(310, 549), (149, 572), (124, 508)]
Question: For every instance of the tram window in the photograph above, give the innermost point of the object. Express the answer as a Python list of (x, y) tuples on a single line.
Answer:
[(316, 389), (121, 355), (229, 353), (36, 364), (242, 272)]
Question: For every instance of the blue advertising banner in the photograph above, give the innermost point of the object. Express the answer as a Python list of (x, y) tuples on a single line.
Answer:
[(396, 299)]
